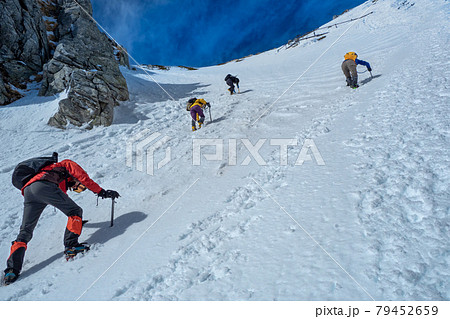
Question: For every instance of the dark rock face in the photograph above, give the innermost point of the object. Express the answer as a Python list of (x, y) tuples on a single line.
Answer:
[(84, 64), (84, 61), (7, 94), (23, 45), (121, 54)]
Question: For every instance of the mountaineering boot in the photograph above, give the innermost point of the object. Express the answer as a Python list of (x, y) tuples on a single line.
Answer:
[(354, 84), (71, 252), (231, 91), (200, 125), (349, 81), (10, 276), (194, 128)]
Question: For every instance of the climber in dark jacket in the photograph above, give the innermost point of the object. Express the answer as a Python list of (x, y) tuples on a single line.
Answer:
[(231, 81), (349, 68)]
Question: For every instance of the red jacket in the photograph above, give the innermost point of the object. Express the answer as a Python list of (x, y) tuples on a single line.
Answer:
[(50, 173)]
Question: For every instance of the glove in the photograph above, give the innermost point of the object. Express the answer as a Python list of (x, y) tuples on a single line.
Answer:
[(108, 194), (369, 69), (208, 105)]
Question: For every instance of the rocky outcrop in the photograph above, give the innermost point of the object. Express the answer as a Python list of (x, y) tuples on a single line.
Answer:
[(58, 38), (7, 94), (23, 45), (121, 54), (84, 64)]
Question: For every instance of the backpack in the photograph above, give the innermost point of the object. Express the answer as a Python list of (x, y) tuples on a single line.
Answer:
[(350, 56), (190, 102), (26, 170)]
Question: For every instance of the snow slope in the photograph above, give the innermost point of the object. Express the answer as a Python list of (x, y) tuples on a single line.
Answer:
[(370, 224)]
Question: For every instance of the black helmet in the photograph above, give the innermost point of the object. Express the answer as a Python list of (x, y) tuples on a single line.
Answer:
[(190, 102)]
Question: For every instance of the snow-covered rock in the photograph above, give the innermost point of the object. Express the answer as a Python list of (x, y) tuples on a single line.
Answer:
[(84, 64)]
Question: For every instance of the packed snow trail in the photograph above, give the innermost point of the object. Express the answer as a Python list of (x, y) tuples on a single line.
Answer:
[(379, 206), (404, 139)]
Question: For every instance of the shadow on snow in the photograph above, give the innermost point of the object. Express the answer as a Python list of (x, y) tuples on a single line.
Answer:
[(146, 91), (103, 234), (365, 81)]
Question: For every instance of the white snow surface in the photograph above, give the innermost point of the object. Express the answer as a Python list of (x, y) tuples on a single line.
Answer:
[(370, 224)]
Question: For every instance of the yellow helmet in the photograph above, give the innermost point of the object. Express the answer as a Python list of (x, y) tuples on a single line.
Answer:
[(350, 56), (78, 187)]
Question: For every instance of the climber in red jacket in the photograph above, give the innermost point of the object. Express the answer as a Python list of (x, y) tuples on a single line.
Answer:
[(49, 187)]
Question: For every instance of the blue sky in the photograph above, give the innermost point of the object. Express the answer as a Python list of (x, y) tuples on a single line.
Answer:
[(208, 32)]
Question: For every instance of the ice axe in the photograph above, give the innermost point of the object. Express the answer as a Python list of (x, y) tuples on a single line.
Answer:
[(237, 84), (112, 213), (112, 210), (108, 194), (209, 109)]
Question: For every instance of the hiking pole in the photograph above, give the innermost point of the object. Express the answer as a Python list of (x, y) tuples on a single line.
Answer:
[(112, 212), (209, 109), (371, 74)]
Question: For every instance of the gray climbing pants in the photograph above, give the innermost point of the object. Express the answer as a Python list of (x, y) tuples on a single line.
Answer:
[(349, 69), (37, 196)]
